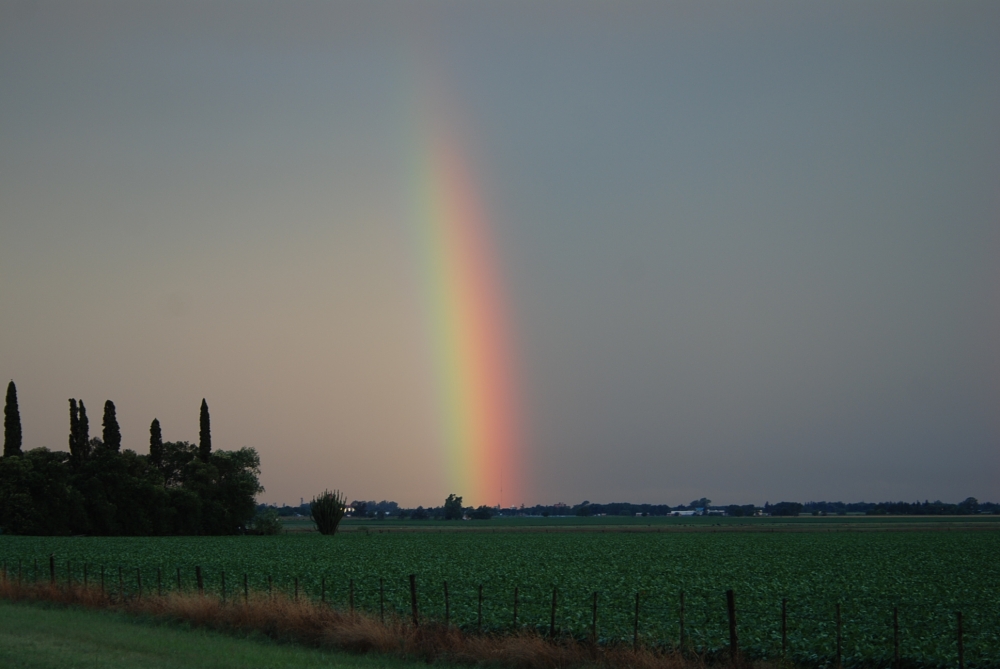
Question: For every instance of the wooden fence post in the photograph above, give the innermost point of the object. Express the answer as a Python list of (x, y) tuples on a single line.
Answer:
[(479, 613), (413, 600), (246, 589), (159, 581), (322, 589), (222, 575), (297, 593), (447, 607), (52, 569), (593, 622), (84, 575), (961, 643), (784, 627), (69, 574), (178, 580), (734, 648), (515, 607), (895, 637), (270, 587), (682, 621), (201, 580), (138, 581), (102, 580), (635, 627), (552, 617), (839, 637)]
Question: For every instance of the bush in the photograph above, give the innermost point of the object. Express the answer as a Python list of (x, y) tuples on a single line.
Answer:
[(265, 523), (327, 510)]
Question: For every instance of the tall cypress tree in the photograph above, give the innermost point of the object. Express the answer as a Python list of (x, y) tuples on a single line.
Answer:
[(74, 430), (155, 443), (11, 423), (83, 432), (112, 433), (205, 434)]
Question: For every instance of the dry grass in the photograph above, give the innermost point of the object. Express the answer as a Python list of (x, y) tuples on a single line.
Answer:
[(315, 624)]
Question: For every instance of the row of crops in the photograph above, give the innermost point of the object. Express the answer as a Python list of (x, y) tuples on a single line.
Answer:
[(928, 577)]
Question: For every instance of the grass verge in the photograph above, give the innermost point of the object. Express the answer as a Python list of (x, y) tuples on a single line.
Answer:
[(319, 626), (46, 637)]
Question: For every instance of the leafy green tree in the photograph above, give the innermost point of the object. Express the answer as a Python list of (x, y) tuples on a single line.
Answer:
[(205, 433), (327, 510), (11, 423), (112, 433), (155, 444), (453, 507)]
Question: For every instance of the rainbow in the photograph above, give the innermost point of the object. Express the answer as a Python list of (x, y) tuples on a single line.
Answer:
[(468, 328)]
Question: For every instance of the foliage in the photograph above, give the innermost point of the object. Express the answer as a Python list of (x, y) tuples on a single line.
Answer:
[(79, 433), (204, 433), (112, 433), (482, 513), (264, 523), (11, 423), (783, 509), (453, 507), (327, 510), (155, 443), (123, 493)]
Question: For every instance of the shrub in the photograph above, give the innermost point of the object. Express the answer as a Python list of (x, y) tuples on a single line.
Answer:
[(327, 510), (265, 523)]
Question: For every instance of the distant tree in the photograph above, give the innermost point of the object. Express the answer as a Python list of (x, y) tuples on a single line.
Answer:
[(11, 423), (482, 513), (205, 433), (112, 433), (785, 509), (360, 509), (969, 505), (702, 503), (584, 509), (420, 513), (453, 507), (155, 443), (327, 510)]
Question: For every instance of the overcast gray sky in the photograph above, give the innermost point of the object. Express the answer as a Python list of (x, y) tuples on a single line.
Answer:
[(749, 250)]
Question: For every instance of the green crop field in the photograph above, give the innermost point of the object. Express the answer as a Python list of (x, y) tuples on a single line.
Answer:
[(928, 575)]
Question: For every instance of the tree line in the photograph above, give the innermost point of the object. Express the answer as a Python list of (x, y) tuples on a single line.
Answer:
[(453, 509), (97, 488)]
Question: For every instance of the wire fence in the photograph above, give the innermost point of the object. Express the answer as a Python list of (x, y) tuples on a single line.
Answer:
[(854, 632)]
